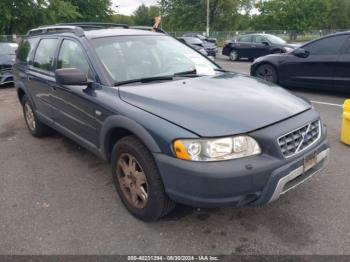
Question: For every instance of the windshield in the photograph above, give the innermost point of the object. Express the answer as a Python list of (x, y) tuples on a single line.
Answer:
[(275, 40), (8, 48), (134, 57)]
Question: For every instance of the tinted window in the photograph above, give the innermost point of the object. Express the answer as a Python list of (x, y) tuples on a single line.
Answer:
[(259, 39), (72, 56), (347, 50), (327, 46), (45, 54), (25, 49), (246, 38)]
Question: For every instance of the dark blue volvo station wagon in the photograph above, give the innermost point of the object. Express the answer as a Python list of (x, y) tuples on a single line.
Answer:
[(175, 127)]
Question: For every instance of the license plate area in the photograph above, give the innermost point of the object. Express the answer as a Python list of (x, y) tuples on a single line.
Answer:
[(310, 161)]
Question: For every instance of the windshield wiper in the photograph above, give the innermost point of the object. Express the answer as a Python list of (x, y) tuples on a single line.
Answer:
[(144, 80), (190, 73), (220, 70)]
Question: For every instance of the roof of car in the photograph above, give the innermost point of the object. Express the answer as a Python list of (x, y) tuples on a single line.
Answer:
[(116, 32), (89, 30)]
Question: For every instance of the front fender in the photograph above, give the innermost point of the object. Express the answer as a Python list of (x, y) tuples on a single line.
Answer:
[(119, 121)]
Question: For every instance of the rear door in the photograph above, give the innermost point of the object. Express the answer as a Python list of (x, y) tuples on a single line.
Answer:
[(244, 45), (75, 107), (318, 68), (40, 74), (342, 68)]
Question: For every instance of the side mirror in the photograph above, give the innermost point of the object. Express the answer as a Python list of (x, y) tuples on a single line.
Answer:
[(71, 77), (265, 43), (301, 52)]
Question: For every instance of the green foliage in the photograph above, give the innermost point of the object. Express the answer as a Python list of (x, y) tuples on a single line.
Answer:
[(301, 15), (145, 15), (17, 16), (296, 16), (93, 10)]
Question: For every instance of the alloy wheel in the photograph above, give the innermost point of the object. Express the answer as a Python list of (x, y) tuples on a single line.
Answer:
[(132, 180), (266, 72), (29, 116)]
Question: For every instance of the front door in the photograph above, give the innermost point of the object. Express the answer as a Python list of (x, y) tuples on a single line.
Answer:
[(342, 69), (318, 68), (75, 104)]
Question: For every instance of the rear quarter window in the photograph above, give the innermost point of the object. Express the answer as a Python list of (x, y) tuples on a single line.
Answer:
[(25, 49)]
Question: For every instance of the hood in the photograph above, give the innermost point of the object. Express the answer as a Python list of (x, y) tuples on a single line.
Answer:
[(7, 59), (213, 106)]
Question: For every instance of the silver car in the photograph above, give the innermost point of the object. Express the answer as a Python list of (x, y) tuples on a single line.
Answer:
[(7, 59)]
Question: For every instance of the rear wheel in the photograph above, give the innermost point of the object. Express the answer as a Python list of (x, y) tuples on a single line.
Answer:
[(233, 55), (267, 72), (138, 181), (35, 126)]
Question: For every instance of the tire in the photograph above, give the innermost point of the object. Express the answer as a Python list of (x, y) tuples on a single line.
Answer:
[(134, 170), (34, 125), (233, 55), (267, 72)]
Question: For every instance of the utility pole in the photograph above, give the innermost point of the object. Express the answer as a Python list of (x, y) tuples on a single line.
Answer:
[(208, 12)]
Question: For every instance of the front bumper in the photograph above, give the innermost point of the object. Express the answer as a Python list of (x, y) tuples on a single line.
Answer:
[(255, 180), (6, 76), (212, 52)]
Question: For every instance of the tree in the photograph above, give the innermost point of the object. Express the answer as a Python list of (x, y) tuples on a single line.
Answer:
[(190, 15), (145, 15), (93, 10)]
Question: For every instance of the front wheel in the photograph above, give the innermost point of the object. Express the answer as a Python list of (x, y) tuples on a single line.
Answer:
[(266, 72), (138, 181)]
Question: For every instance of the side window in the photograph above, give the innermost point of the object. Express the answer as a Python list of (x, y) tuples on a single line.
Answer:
[(25, 49), (327, 46), (347, 50), (72, 56), (259, 39), (45, 54), (245, 39)]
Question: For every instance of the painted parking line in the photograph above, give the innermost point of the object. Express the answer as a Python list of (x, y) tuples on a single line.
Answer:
[(325, 103)]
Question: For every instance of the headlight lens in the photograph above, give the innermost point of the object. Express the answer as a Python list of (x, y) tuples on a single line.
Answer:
[(216, 149)]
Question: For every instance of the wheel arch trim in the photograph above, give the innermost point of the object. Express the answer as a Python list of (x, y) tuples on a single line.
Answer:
[(119, 121)]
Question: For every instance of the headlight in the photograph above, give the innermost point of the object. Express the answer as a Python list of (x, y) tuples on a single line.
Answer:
[(216, 149), (288, 49)]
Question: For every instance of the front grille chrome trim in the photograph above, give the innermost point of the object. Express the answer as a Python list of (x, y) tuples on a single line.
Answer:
[(299, 148)]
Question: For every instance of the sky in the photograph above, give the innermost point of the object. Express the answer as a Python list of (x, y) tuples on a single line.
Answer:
[(127, 7)]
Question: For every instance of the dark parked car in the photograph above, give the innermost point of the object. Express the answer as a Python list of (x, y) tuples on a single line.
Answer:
[(7, 59), (172, 124), (255, 45), (323, 63), (208, 43), (201, 37), (195, 43)]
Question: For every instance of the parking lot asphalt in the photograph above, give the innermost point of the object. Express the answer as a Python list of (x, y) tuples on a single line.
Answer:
[(57, 198)]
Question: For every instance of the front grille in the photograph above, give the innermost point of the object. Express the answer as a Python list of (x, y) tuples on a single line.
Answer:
[(5, 68), (300, 139)]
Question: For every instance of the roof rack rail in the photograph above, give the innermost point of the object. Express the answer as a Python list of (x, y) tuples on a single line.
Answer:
[(54, 29), (94, 25)]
